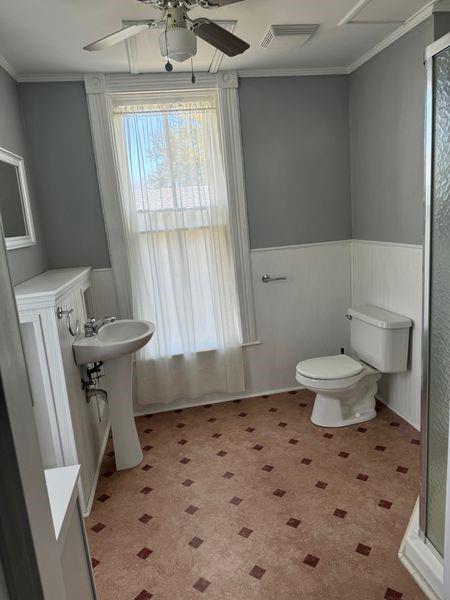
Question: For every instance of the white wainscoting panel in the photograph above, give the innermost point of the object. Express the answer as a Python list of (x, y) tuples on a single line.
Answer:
[(90, 432), (303, 316), (300, 318), (104, 293), (390, 276)]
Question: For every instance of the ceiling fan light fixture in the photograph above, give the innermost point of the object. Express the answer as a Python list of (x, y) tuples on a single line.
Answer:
[(178, 44)]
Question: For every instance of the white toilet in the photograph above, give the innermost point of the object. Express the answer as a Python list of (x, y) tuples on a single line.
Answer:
[(346, 386)]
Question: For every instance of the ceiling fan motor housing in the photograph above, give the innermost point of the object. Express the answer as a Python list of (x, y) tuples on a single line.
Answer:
[(178, 42)]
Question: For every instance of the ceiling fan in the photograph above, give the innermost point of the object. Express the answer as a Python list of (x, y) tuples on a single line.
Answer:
[(178, 41)]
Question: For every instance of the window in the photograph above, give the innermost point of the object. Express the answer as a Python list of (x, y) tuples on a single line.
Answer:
[(177, 223)]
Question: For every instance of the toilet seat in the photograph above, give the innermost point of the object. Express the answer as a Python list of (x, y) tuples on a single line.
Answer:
[(340, 366), (337, 373)]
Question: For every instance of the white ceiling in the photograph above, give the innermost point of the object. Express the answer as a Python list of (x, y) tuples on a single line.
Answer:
[(47, 36)]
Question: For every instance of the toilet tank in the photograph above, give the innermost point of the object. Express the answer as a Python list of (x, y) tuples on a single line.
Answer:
[(380, 338)]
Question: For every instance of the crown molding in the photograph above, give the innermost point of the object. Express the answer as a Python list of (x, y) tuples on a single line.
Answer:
[(8, 68), (417, 18), (294, 72), (49, 77), (427, 11)]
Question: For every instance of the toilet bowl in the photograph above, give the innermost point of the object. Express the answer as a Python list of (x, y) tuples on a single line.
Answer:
[(345, 389), (345, 386)]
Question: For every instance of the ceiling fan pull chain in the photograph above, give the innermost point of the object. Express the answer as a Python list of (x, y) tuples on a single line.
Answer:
[(193, 78), (168, 65)]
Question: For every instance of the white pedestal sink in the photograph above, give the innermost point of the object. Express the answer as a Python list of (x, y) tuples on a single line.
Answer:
[(114, 345)]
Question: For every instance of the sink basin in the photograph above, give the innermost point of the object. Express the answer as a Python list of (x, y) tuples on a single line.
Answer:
[(114, 345), (112, 341)]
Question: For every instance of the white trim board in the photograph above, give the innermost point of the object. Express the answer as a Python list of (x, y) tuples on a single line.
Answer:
[(298, 246), (294, 72), (421, 561), (335, 242), (397, 411), (381, 243), (91, 498), (185, 404), (244, 73), (49, 77)]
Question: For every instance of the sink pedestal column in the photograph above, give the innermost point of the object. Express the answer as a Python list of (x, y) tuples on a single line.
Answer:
[(127, 448)]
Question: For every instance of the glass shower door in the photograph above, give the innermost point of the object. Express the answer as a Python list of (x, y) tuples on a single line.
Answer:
[(437, 297)]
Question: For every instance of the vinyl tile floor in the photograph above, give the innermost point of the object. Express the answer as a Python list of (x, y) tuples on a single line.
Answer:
[(249, 500)]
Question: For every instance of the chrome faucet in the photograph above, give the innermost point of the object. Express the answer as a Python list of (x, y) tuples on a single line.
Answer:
[(92, 326)]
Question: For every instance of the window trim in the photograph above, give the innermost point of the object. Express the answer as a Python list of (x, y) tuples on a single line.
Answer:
[(100, 91)]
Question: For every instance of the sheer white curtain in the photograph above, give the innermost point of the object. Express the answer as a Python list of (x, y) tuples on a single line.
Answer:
[(175, 209)]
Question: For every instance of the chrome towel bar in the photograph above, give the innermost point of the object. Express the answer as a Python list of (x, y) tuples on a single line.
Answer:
[(267, 278)]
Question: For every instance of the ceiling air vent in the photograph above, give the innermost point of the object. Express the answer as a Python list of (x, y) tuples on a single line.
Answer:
[(288, 37)]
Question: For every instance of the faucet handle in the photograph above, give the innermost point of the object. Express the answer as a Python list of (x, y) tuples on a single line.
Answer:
[(89, 327), (106, 320)]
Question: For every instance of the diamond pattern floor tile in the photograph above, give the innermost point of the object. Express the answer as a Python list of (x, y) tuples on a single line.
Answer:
[(257, 503)]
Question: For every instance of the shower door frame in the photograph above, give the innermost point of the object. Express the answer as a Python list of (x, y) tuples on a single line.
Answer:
[(432, 51)]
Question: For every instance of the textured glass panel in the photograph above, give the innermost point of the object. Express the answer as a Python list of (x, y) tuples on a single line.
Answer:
[(439, 373)]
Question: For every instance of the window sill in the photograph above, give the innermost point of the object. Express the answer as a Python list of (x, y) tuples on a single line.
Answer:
[(244, 345)]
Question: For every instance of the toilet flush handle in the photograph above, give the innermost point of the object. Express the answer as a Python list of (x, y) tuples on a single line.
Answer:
[(349, 317)]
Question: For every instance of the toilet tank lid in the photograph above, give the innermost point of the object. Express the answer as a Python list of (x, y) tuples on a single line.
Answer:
[(379, 317)]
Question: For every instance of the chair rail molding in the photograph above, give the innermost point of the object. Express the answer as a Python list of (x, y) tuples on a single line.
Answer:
[(100, 89)]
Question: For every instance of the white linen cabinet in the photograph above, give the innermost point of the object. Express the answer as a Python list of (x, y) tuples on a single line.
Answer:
[(70, 430)]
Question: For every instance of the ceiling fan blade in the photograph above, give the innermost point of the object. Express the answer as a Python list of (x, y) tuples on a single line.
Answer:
[(117, 37), (220, 38)]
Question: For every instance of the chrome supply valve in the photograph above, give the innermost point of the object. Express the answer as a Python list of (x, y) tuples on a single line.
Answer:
[(94, 372)]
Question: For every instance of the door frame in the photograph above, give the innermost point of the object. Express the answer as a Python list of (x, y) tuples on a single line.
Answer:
[(431, 52), (27, 538)]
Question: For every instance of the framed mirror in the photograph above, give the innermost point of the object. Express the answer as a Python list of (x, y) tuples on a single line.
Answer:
[(15, 209)]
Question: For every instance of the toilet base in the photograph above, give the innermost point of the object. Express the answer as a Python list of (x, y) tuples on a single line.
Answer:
[(343, 408)]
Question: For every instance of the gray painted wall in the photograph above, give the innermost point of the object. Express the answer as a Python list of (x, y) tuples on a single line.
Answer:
[(60, 146), (296, 151), (441, 24), (23, 262), (300, 171), (387, 105)]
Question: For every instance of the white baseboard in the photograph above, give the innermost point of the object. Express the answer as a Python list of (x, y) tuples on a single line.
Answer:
[(398, 412), (421, 560), (182, 404), (87, 509)]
